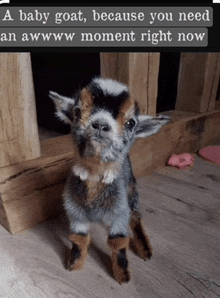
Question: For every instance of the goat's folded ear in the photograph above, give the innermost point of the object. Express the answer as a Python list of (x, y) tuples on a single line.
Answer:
[(64, 106), (149, 125)]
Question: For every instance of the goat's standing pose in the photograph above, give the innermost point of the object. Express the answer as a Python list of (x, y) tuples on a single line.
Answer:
[(101, 186)]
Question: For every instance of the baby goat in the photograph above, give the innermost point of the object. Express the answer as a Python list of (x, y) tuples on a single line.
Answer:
[(101, 186)]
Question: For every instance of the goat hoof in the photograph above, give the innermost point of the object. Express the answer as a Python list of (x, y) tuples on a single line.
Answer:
[(74, 265), (145, 253), (122, 276)]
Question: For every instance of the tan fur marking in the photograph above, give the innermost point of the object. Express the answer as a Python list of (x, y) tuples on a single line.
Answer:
[(92, 164), (94, 191), (135, 219), (120, 274), (141, 240), (96, 167), (96, 183), (83, 243), (126, 111), (87, 103), (94, 187), (118, 243)]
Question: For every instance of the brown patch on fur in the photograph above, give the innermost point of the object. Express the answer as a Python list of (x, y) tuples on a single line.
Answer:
[(81, 242), (126, 111), (94, 185), (96, 188), (94, 191), (95, 166), (141, 240), (118, 243), (87, 104), (121, 275), (120, 271)]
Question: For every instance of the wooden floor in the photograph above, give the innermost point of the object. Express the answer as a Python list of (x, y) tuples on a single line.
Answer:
[(181, 211)]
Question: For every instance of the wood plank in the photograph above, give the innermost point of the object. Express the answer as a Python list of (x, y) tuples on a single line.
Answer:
[(143, 80), (28, 190), (154, 64), (182, 220), (19, 140), (31, 191), (124, 68), (109, 65), (197, 83), (139, 71)]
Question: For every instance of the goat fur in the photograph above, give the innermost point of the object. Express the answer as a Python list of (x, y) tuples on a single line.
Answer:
[(101, 187)]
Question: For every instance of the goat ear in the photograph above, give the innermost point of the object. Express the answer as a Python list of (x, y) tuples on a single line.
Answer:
[(149, 125), (64, 107)]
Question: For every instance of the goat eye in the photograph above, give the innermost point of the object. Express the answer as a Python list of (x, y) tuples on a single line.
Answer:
[(130, 124)]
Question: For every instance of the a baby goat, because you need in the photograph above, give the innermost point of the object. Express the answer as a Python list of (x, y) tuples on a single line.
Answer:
[(101, 186)]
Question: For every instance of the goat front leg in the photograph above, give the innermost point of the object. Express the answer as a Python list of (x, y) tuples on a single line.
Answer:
[(119, 245), (78, 252), (141, 240)]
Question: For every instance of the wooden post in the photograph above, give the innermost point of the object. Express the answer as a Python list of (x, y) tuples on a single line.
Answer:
[(198, 82), (109, 65), (139, 71), (19, 139)]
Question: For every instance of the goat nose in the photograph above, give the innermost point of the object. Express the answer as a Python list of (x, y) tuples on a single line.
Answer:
[(101, 126)]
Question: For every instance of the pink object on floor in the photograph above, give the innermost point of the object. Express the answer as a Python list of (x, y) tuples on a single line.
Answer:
[(211, 153), (181, 161)]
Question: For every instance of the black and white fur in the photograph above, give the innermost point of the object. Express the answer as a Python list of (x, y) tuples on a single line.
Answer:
[(101, 187)]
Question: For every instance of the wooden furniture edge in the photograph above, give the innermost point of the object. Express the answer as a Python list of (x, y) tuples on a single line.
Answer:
[(30, 192)]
